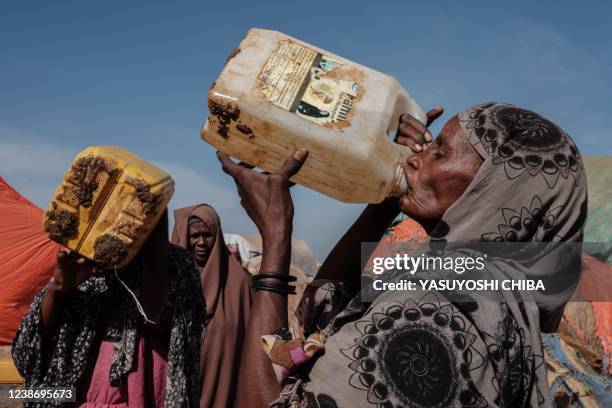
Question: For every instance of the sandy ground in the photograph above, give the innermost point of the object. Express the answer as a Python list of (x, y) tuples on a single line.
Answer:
[(4, 403)]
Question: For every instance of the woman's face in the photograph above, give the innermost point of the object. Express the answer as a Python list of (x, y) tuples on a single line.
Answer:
[(438, 175), (201, 241)]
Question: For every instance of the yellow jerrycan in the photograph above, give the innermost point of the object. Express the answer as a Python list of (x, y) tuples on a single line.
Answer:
[(107, 204)]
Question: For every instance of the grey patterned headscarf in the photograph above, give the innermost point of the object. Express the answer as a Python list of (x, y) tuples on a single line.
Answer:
[(428, 349), (531, 187)]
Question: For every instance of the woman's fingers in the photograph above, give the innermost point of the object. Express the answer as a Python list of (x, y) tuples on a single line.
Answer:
[(410, 142), (411, 128), (414, 137), (434, 114), (241, 193), (246, 165), (294, 163), (229, 166), (66, 256), (289, 168), (414, 134), (419, 130)]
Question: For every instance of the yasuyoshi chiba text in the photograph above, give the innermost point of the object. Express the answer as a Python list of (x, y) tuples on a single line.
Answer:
[(460, 284)]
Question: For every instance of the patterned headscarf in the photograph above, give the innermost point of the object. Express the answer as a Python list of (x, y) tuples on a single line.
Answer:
[(531, 187), (424, 348)]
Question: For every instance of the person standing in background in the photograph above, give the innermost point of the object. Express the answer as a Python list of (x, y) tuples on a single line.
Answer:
[(226, 287)]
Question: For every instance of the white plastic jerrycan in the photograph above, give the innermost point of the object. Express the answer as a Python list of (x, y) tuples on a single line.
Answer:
[(277, 94)]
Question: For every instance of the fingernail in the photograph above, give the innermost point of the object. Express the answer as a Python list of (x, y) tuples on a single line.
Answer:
[(417, 147), (300, 154), (428, 136)]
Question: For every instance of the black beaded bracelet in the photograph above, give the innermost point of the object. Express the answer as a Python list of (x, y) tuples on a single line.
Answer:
[(279, 276), (273, 287)]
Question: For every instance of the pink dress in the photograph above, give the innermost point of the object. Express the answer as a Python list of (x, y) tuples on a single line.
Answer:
[(145, 385)]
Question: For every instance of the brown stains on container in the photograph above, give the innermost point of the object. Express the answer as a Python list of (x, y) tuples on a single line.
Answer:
[(242, 128), (232, 54), (109, 250), (130, 228), (225, 114), (148, 200), (345, 72), (84, 174), (260, 157), (60, 224), (69, 195)]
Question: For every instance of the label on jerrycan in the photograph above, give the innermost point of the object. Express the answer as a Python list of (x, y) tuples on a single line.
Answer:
[(310, 84)]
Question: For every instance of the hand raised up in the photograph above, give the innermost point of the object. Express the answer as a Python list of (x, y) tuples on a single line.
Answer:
[(71, 270), (413, 133), (266, 197)]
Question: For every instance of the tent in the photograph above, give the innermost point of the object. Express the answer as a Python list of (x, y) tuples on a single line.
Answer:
[(27, 258)]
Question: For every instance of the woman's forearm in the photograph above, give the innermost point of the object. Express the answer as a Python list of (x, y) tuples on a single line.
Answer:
[(257, 384), (344, 261), (267, 201)]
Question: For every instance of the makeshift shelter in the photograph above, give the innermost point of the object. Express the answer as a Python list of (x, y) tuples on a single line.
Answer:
[(301, 254), (27, 258), (599, 221), (573, 382)]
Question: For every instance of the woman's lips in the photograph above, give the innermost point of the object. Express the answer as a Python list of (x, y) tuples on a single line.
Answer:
[(409, 182)]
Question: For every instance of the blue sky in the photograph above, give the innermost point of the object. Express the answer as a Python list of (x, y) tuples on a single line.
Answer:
[(136, 74)]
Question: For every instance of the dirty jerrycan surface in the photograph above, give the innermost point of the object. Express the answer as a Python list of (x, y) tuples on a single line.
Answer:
[(107, 204), (277, 94)]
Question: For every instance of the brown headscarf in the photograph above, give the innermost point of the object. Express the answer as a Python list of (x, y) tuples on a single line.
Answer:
[(227, 294)]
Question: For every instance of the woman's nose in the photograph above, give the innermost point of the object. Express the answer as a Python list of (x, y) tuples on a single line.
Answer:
[(414, 161)]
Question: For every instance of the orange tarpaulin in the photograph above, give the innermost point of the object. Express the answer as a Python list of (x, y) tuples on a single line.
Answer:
[(27, 258)]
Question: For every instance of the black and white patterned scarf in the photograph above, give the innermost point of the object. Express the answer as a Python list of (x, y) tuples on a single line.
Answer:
[(62, 360)]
